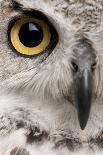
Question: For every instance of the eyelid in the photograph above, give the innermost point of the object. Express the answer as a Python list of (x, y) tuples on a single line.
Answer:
[(35, 13), (38, 14)]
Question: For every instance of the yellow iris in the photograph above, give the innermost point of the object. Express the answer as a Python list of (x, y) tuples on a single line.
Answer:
[(20, 47)]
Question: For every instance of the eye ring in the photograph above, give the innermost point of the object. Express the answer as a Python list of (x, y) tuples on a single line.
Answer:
[(15, 40)]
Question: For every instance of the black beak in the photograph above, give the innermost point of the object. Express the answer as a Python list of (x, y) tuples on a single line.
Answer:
[(83, 96)]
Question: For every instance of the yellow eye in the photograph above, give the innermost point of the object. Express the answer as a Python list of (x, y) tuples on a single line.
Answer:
[(30, 36)]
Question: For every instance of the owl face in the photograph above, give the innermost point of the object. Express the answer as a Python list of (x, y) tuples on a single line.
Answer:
[(53, 49)]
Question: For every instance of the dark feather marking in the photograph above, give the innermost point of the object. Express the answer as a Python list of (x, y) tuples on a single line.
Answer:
[(19, 151), (71, 144), (98, 140), (16, 5), (36, 135), (67, 140), (20, 124)]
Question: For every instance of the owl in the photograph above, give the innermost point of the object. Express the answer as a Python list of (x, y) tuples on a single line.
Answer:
[(51, 77)]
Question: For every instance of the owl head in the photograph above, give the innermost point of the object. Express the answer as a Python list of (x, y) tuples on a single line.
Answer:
[(52, 49)]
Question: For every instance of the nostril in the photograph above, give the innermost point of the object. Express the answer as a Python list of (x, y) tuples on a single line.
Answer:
[(93, 67), (75, 66)]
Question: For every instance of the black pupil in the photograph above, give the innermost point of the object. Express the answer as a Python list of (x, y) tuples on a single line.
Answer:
[(31, 34)]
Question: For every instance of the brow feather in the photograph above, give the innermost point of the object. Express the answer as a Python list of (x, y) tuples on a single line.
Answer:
[(16, 5)]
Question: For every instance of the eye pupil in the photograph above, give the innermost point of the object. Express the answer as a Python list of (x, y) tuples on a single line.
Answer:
[(31, 34)]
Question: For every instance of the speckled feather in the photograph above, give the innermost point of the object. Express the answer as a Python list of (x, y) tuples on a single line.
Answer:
[(35, 117)]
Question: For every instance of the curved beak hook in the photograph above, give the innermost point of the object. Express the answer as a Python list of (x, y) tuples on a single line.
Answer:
[(83, 96)]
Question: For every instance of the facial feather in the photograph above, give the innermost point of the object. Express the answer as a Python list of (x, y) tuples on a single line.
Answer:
[(50, 78)]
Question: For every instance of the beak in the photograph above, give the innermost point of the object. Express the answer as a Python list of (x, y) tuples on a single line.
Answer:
[(83, 96)]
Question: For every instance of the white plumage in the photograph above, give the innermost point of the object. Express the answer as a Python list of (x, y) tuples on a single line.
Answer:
[(38, 108)]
